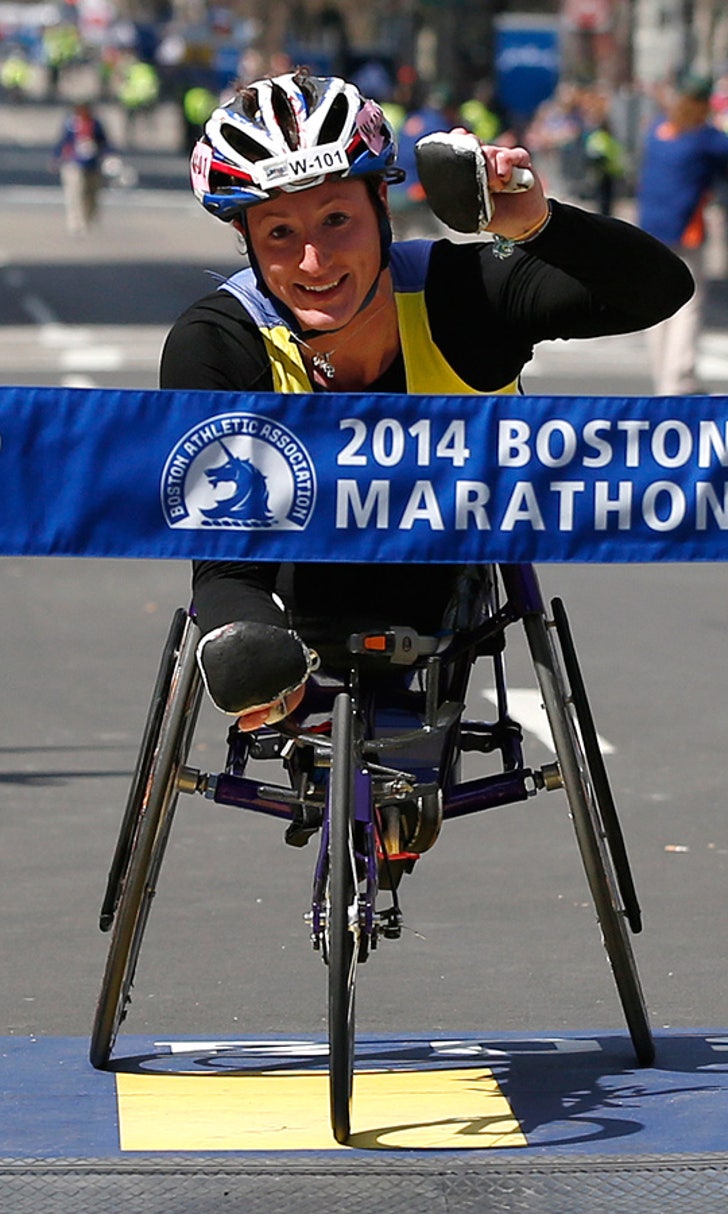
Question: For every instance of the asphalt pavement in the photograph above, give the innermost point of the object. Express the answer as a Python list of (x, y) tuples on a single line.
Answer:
[(500, 936), (83, 639), (82, 642)]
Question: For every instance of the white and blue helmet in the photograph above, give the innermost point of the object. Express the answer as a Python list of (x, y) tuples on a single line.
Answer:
[(289, 133)]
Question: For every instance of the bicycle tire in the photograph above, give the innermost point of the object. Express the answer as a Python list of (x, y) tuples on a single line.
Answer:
[(147, 848), (595, 759), (147, 747), (342, 919), (595, 855)]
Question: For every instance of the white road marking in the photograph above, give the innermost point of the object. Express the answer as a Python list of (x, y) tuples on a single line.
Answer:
[(714, 342), (57, 349), (75, 343), (278, 1049), (710, 367), (59, 336), (526, 707), (78, 381), (92, 358)]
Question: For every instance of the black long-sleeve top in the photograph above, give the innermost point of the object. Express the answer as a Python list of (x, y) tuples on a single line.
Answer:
[(584, 275)]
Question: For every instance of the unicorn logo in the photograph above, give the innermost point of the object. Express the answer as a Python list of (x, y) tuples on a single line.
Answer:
[(249, 500), (239, 471)]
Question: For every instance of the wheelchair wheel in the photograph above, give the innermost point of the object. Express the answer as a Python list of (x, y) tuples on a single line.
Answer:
[(595, 760), (145, 758), (342, 919), (146, 826), (591, 834)]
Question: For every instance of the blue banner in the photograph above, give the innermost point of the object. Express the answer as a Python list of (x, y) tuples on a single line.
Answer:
[(118, 473)]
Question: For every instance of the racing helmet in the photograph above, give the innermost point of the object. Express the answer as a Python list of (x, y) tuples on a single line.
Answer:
[(289, 132)]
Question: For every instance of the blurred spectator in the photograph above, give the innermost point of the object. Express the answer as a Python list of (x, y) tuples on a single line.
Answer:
[(137, 92), (79, 153), (252, 64), (198, 103), (400, 100), (605, 155), (279, 63), (426, 112), (395, 113), (109, 69), (62, 47), (719, 103), (683, 157), (373, 79), (482, 115), (556, 133), (15, 76), (719, 115)]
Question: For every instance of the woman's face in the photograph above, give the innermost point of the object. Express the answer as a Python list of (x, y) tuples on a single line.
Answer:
[(318, 250)]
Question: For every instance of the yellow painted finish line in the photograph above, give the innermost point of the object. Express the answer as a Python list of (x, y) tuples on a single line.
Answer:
[(417, 1110)]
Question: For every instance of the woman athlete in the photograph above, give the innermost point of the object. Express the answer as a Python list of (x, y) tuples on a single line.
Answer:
[(300, 166)]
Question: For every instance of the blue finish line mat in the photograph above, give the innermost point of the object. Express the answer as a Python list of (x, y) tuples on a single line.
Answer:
[(543, 1096)]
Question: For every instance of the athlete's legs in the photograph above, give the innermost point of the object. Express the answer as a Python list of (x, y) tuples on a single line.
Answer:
[(255, 663), (252, 663), (91, 188), (72, 183)]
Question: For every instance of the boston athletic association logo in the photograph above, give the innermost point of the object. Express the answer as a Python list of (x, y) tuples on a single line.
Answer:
[(239, 471)]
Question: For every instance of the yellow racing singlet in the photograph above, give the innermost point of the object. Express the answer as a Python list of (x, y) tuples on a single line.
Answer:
[(426, 368)]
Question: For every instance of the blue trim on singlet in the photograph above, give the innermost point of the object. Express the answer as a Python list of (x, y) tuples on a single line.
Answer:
[(409, 262), (262, 308)]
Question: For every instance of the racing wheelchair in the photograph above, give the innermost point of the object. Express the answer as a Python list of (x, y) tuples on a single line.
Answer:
[(372, 763)]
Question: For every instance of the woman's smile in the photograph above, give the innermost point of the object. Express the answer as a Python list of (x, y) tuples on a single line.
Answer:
[(323, 289)]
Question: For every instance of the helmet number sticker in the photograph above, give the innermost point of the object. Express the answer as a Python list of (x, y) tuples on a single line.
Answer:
[(301, 166), (200, 167)]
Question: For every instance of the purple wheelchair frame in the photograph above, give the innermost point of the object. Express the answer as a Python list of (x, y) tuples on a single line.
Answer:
[(515, 783)]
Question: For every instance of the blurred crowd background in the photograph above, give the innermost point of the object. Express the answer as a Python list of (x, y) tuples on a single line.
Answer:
[(550, 73), (99, 93)]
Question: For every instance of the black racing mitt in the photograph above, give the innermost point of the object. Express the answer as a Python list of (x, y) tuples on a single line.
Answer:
[(248, 665), (452, 171)]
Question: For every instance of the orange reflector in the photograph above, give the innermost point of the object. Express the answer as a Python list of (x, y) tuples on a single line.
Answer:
[(379, 643)]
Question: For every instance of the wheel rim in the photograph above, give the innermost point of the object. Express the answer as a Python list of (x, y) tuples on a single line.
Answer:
[(342, 920)]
